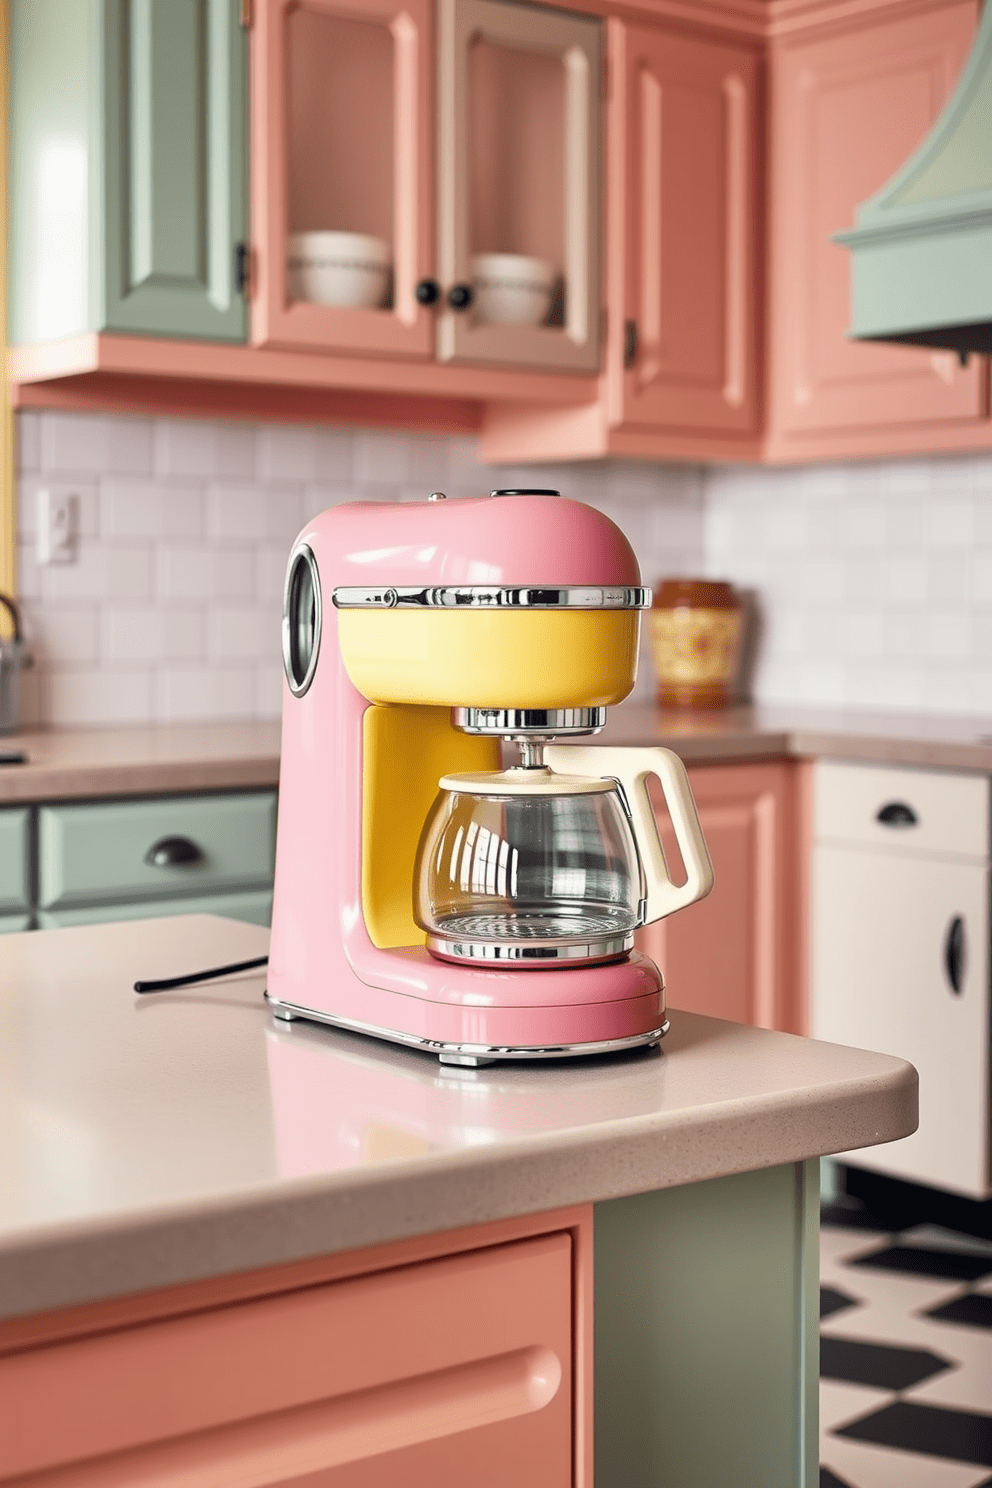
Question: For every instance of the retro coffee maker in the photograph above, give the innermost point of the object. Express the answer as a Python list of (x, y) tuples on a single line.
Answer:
[(423, 893)]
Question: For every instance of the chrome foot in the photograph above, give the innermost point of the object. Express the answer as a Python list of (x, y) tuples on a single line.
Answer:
[(465, 1061)]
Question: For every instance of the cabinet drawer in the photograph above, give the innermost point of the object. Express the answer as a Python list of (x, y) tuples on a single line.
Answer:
[(455, 1370), (97, 851), (928, 811), (15, 876)]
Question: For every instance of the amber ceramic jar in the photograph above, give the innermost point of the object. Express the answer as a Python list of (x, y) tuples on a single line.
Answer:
[(696, 641)]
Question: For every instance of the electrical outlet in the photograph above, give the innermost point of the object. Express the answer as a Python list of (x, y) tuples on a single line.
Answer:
[(57, 526)]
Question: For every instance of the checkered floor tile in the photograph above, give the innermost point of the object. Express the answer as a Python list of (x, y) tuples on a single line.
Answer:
[(905, 1356)]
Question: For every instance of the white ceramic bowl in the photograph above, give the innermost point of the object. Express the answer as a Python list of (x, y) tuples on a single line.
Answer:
[(512, 289), (338, 268)]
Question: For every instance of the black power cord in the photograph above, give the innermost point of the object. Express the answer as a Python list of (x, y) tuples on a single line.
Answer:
[(166, 984)]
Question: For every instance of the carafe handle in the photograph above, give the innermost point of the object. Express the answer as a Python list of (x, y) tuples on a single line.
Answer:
[(632, 768)]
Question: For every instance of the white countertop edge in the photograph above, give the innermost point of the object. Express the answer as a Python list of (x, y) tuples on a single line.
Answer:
[(118, 1255)]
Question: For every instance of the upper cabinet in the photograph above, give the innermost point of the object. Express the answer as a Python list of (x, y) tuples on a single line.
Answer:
[(684, 213), (574, 234), (351, 156), (848, 108), (127, 168), (342, 162)]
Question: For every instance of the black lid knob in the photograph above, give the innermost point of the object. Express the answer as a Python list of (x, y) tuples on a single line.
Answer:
[(528, 491)]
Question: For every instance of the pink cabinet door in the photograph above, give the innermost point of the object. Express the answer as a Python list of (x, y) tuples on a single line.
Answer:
[(738, 954), (683, 147), (341, 122), (847, 109), (446, 1372)]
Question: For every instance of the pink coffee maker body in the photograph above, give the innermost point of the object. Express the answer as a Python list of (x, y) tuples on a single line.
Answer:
[(509, 613)]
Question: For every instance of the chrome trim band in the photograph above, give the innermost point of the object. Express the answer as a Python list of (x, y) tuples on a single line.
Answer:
[(517, 952), (488, 597), (514, 723), (468, 1054)]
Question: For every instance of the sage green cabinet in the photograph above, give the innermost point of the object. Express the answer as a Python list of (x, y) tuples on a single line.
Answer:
[(86, 862), (128, 168), (15, 867)]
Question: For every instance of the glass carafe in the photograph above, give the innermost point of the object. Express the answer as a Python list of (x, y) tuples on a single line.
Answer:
[(533, 868)]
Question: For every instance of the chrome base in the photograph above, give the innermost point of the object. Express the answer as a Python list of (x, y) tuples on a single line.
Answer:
[(521, 954), (517, 723), (468, 1056)]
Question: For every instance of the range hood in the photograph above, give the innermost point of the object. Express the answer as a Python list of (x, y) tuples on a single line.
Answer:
[(922, 250)]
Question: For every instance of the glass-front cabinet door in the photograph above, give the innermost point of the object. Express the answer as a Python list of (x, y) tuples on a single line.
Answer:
[(342, 200), (518, 183)]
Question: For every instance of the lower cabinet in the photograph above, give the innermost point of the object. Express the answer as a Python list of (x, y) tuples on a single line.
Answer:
[(900, 952), (457, 1368), (81, 862), (461, 1360), (740, 953)]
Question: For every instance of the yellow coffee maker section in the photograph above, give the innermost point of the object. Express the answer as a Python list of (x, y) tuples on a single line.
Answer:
[(406, 751), (481, 658)]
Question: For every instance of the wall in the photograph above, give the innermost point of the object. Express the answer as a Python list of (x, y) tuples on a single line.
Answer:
[(874, 580), (172, 611)]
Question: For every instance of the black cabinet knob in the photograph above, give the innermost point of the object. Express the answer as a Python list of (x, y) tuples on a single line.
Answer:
[(460, 296), (428, 292), (173, 852), (954, 954), (896, 814)]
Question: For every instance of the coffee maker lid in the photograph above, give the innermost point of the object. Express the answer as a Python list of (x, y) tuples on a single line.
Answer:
[(541, 781)]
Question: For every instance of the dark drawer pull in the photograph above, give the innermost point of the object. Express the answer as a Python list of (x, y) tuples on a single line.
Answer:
[(954, 954), (173, 852), (896, 814)]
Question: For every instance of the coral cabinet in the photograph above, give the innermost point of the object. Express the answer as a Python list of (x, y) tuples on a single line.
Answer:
[(848, 107), (740, 953)]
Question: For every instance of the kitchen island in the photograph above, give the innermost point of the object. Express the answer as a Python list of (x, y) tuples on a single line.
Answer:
[(203, 1213)]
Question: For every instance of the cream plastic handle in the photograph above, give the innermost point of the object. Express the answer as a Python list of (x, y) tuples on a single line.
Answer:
[(632, 768)]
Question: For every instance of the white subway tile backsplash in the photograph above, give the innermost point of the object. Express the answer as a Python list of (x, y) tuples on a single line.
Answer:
[(873, 581), (123, 571), (131, 508), (200, 448), (94, 695), (28, 440), (241, 513), (152, 633), (185, 693), (186, 573), (101, 444), (248, 632)]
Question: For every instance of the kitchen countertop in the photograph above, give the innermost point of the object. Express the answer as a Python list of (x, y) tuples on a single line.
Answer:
[(119, 761), (66, 763), (169, 1138)]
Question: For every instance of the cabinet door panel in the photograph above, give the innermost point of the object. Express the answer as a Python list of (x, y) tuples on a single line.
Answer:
[(15, 873), (341, 128), (456, 1370), (175, 167), (518, 167), (735, 954), (684, 144), (879, 980), (847, 111)]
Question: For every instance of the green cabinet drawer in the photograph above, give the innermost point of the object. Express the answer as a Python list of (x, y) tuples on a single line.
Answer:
[(97, 852), (254, 906), (10, 923), (15, 859)]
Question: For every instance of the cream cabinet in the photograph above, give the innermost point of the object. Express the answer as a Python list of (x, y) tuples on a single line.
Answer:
[(900, 951)]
